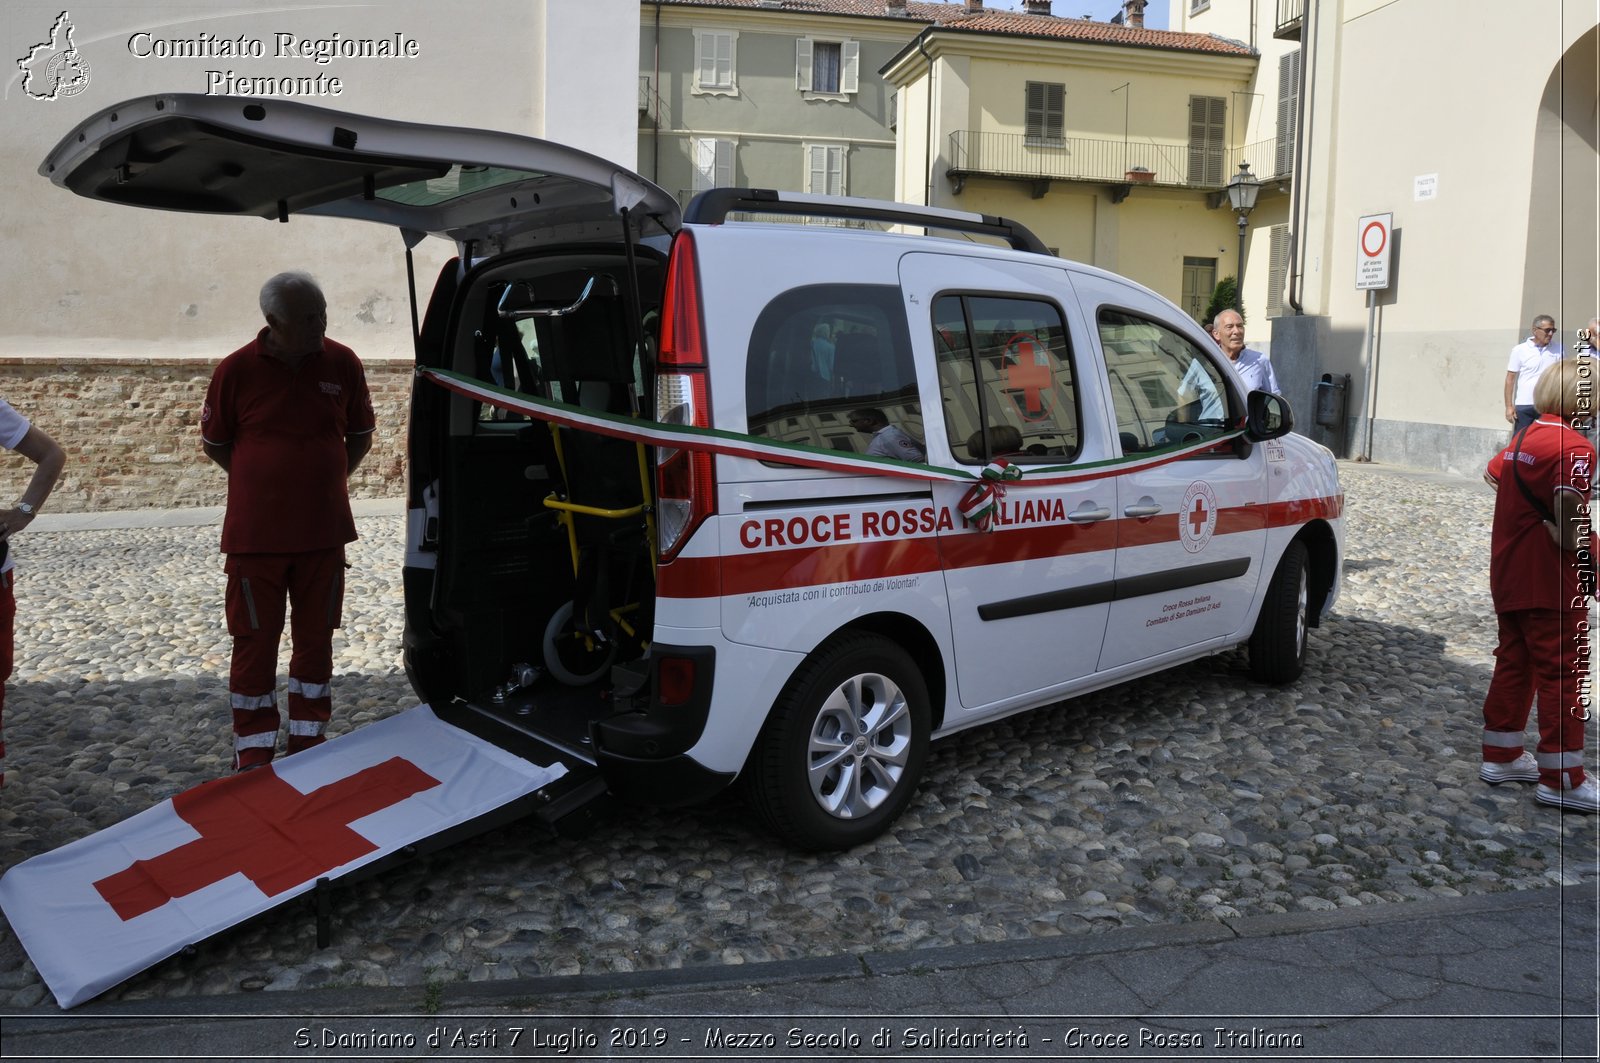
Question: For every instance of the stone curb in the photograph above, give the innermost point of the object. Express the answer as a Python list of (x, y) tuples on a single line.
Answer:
[(522, 993)]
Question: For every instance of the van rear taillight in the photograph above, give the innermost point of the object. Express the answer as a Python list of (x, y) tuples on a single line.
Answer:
[(675, 681), (685, 484)]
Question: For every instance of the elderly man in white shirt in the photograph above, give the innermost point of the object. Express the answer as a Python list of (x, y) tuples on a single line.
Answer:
[(1529, 359), (1253, 367)]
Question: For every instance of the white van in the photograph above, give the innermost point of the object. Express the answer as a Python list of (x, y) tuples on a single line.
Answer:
[(687, 494)]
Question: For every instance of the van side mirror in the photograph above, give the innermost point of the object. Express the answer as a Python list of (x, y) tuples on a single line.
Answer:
[(1267, 416)]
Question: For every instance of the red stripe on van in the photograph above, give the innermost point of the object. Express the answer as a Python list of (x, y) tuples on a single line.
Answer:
[(771, 570)]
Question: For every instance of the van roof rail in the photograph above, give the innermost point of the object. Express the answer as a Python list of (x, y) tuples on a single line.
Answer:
[(713, 206)]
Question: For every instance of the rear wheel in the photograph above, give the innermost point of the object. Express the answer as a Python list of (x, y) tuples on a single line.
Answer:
[(844, 748), (1278, 644)]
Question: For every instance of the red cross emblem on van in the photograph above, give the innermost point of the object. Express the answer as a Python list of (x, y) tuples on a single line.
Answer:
[(1029, 382)]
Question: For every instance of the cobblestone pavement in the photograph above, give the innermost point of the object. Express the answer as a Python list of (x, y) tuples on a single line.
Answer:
[(1193, 795)]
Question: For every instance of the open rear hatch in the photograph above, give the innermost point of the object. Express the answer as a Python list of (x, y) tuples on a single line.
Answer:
[(104, 907), (489, 192)]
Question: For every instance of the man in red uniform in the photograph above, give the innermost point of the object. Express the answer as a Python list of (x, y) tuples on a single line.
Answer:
[(1541, 575), (289, 418)]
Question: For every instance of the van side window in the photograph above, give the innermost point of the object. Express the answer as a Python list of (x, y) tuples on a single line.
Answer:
[(1166, 389), (819, 353), (1005, 379)]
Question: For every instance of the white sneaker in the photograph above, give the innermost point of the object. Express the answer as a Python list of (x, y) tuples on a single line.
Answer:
[(1523, 769), (1584, 798)]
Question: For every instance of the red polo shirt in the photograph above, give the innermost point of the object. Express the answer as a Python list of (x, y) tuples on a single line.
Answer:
[(287, 426), (1527, 570)]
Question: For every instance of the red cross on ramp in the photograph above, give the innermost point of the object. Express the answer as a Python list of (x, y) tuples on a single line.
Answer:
[(259, 826), (105, 907)]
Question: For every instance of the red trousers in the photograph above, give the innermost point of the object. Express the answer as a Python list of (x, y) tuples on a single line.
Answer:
[(1543, 652), (8, 623), (311, 585)]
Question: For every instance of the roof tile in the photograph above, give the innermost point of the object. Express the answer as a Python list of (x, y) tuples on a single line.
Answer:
[(954, 15)]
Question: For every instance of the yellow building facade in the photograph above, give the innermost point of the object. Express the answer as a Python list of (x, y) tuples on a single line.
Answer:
[(1114, 147)]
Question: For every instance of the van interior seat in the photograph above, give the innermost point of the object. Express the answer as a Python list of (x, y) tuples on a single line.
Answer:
[(1003, 439)]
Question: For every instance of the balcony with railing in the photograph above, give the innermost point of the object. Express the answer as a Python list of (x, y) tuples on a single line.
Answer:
[(1123, 164), (1291, 17), (648, 104)]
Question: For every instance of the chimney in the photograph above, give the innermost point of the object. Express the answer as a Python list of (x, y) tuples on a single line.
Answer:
[(895, 7), (974, 7), (1037, 7), (1135, 14)]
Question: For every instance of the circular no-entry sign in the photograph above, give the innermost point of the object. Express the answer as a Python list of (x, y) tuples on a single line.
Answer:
[(1374, 245)]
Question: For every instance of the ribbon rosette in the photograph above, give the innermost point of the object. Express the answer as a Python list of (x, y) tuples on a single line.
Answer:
[(982, 501)]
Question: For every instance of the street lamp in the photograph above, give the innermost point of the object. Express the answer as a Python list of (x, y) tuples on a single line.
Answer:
[(1242, 192)]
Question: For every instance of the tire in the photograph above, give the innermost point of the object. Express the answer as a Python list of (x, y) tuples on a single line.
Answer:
[(1278, 644), (842, 753), (569, 657)]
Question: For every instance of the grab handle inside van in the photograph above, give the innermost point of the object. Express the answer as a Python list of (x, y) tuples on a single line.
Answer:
[(518, 301)]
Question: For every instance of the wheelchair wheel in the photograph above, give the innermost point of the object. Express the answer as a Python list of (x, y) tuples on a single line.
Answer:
[(572, 657)]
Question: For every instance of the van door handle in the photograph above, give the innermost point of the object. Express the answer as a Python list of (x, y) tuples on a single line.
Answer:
[(1145, 507), (1086, 515)]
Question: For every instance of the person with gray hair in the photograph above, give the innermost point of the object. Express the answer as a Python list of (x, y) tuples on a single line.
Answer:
[(1529, 358), (288, 417)]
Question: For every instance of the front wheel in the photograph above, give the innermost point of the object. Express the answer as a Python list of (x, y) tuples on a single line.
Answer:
[(843, 751), (1278, 644)]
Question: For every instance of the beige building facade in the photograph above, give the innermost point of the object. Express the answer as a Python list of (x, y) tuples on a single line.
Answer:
[(85, 279), (1113, 143), (1475, 125)]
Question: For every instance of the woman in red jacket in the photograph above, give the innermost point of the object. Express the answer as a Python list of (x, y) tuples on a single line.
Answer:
[(1541, 573)]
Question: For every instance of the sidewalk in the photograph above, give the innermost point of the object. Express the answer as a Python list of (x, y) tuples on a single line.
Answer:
[(1504, 976)]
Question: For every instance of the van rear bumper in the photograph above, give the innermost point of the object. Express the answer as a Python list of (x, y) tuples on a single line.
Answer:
[(669, 782), (643, 753)]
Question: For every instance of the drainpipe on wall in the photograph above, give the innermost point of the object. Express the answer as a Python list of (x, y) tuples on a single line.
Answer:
[(655, 89), (1302, 130), (927, 193)]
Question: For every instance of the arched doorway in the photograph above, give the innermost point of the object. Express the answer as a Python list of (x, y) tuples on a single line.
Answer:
[(1562, 274)]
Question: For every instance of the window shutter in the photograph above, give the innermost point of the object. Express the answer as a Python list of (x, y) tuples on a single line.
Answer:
[(802, 64), (825, 169), (1207, 139), (722, 163), (704, 151), (1045, 104), (725, 59), (707, 75), (1277, 269), (849, 77), (1288, 111)]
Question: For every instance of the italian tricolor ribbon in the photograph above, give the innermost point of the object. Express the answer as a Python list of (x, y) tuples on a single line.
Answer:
[(760, 448)]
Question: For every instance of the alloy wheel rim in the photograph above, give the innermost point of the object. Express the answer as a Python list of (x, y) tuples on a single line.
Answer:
[(859, 745)]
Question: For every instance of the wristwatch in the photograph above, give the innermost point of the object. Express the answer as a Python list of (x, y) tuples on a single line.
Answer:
[(24, 508)]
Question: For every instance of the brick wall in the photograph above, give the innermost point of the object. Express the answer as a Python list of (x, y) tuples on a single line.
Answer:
[(131, 432)]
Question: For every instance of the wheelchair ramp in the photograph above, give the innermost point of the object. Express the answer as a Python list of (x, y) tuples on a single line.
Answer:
[(103, 908)]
